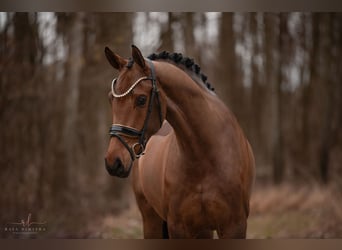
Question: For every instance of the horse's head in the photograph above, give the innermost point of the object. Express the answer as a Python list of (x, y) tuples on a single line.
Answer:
[(138, 110)]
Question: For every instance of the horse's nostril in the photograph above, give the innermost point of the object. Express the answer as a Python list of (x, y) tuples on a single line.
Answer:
[(116, 168), (117, 164)]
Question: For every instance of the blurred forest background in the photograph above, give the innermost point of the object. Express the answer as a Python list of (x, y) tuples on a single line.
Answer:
[(280, 73)]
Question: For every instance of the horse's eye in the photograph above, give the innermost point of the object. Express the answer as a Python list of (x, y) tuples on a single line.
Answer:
[(140, 101)]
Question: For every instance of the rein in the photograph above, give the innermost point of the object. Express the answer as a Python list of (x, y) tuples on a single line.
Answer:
[(118, 130)]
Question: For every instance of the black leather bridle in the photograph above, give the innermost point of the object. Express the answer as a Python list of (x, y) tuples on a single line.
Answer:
[(118, 130)]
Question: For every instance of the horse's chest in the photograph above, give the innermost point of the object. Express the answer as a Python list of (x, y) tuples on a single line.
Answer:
[(198, 205)]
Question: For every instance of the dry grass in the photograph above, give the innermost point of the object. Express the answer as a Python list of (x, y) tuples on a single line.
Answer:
[(128, 225), (276, 212), (295, 212)]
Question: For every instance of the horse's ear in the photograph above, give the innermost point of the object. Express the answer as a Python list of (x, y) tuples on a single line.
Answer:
[(137, 56), (115, 60)]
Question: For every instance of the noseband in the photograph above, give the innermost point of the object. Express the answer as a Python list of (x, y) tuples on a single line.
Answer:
[(117, 130)]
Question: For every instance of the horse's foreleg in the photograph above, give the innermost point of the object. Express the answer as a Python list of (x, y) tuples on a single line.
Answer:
[(178, 230), (154, 226), (236, 231)]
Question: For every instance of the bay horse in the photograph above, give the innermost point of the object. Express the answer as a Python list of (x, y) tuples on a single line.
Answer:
[(192, 166)]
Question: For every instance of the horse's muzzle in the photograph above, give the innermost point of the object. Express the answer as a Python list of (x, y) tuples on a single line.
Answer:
[(117, 169)]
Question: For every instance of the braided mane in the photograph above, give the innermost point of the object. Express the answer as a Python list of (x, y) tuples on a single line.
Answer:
[(186, 62)]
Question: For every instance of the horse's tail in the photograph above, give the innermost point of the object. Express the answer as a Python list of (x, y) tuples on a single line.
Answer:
[(165, 230)]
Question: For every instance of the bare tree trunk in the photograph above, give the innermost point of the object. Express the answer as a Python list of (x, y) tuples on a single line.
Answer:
[(21, 100), (306, 100), (331, 83), (269, 125), (189, 39), (278, 158), (226, 83), (257, 92), (166, 35), (71, 95)]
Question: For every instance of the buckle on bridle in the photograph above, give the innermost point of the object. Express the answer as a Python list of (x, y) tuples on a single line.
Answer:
[(138, 149)]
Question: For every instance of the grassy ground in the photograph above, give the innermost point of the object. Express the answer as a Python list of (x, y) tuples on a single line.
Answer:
[(295, 212), (276, 212)]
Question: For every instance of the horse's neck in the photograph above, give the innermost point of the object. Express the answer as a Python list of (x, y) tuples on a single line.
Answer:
[(196, 115)]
